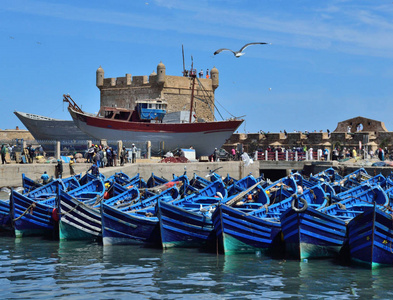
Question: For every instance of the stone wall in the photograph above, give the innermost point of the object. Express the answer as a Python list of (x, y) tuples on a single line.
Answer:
[(12, 134), (11, 175), (314, 139)]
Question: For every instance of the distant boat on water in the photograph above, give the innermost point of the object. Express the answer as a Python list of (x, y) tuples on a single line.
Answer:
[(47, 129)]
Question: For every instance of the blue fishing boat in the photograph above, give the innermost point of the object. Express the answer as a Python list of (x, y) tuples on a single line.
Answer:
[(46, 191), (119, 222), (134, 224), (34, 193), (122, 177), (80, 216), (370, 237), (29, 184), (137, 223), (125, 180), (244, 230), (329, 175), (5, 217), (281, 189), (78, 220), (240, 185), (32, 213), (92, 189), (319, 233), (36, 213), (31, 217), (84, 220), (89, 177), (155, 180), (187, 222), (71, 183), (238, 232), (199, 182)]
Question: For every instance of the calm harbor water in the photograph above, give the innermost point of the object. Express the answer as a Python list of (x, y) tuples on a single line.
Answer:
[(37, 268)]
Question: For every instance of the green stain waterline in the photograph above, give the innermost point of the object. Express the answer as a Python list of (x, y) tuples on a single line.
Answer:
[(234, 246), (31, 232), (371, 265), (67, 232)]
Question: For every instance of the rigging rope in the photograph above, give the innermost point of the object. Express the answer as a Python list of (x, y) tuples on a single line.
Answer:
[(32, 206)]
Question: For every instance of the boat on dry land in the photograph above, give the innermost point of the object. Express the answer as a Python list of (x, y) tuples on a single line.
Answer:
[(144, 123)]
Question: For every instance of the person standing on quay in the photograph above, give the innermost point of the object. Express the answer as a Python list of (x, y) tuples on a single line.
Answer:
[(133, 151), (215, 154), (114, 155), (3, 152), (123, 156), (326, 154), (109, 157), (71, 165), (59, 169)]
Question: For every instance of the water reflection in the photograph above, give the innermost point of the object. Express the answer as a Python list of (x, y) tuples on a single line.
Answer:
[(37, 268), (24, 261), (132, 268)]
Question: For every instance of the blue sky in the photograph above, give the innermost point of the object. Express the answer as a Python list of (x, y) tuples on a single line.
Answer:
[(328, 60)]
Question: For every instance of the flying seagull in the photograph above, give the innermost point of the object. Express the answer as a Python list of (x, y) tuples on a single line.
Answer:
[(240, 52)]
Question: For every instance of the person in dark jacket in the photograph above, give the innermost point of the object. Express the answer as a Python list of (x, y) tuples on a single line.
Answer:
[(123, 156), (95, 170), (59, 169), (3, 153)]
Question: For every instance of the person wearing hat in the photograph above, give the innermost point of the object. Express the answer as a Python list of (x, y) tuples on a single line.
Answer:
[(133, 150)]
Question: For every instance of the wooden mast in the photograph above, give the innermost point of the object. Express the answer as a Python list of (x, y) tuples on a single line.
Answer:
[(193, 76), (192, 96)]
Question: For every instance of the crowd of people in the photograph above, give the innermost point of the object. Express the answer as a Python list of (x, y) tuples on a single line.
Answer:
[(232, 155), (106, 156), (29, 152), (338, 153), (193, 73), (7, 148)]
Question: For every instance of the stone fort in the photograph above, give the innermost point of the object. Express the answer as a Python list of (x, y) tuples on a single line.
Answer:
[(176, 90)]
